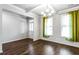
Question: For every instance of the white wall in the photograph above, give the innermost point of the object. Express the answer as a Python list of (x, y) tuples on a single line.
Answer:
[(13, 26), (0, 21), (37, 27), (0, 28)]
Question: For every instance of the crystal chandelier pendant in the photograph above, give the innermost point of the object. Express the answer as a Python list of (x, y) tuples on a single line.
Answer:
[(49, 11)]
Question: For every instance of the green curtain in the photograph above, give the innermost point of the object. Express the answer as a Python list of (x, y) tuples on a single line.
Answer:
[(44, 23), (75, 25), (78, 26), (44, 18)]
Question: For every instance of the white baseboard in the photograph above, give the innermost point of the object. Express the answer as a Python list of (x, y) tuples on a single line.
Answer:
[(63, 41), (1, 49)]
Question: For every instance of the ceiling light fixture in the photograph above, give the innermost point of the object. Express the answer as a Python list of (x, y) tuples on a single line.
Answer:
[(49, 14), (49, 10), (43, 13)]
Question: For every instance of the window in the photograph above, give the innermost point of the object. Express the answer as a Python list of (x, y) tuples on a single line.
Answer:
[(31, 25), (65, 25), (48, 31)]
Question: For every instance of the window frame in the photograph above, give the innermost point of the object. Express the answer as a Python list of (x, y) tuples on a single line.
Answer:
[(31, 23), (66, 26), (44, 25)]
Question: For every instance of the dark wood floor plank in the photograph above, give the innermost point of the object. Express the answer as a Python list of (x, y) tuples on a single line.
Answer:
[(16, 47), (39, 47)]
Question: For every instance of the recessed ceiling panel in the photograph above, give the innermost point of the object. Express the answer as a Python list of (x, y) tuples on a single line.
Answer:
[(26, 7)]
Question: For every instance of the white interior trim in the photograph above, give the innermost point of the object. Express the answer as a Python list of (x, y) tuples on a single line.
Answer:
[(1, 48), (68, 10), (62, 41)]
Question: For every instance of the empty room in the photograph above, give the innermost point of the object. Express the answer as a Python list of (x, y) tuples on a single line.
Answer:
[(39, 29)]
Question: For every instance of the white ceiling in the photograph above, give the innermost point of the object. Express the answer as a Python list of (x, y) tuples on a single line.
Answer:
[(38, 8), (26, 7)]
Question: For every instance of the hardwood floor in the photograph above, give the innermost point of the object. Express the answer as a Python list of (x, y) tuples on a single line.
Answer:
[(39, 47), (16, 47), (42, 47)]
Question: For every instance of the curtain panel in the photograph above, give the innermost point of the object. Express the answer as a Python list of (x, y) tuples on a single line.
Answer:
[(74, 16)]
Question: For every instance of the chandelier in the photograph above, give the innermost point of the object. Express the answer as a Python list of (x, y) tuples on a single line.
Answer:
[(49, 10)]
